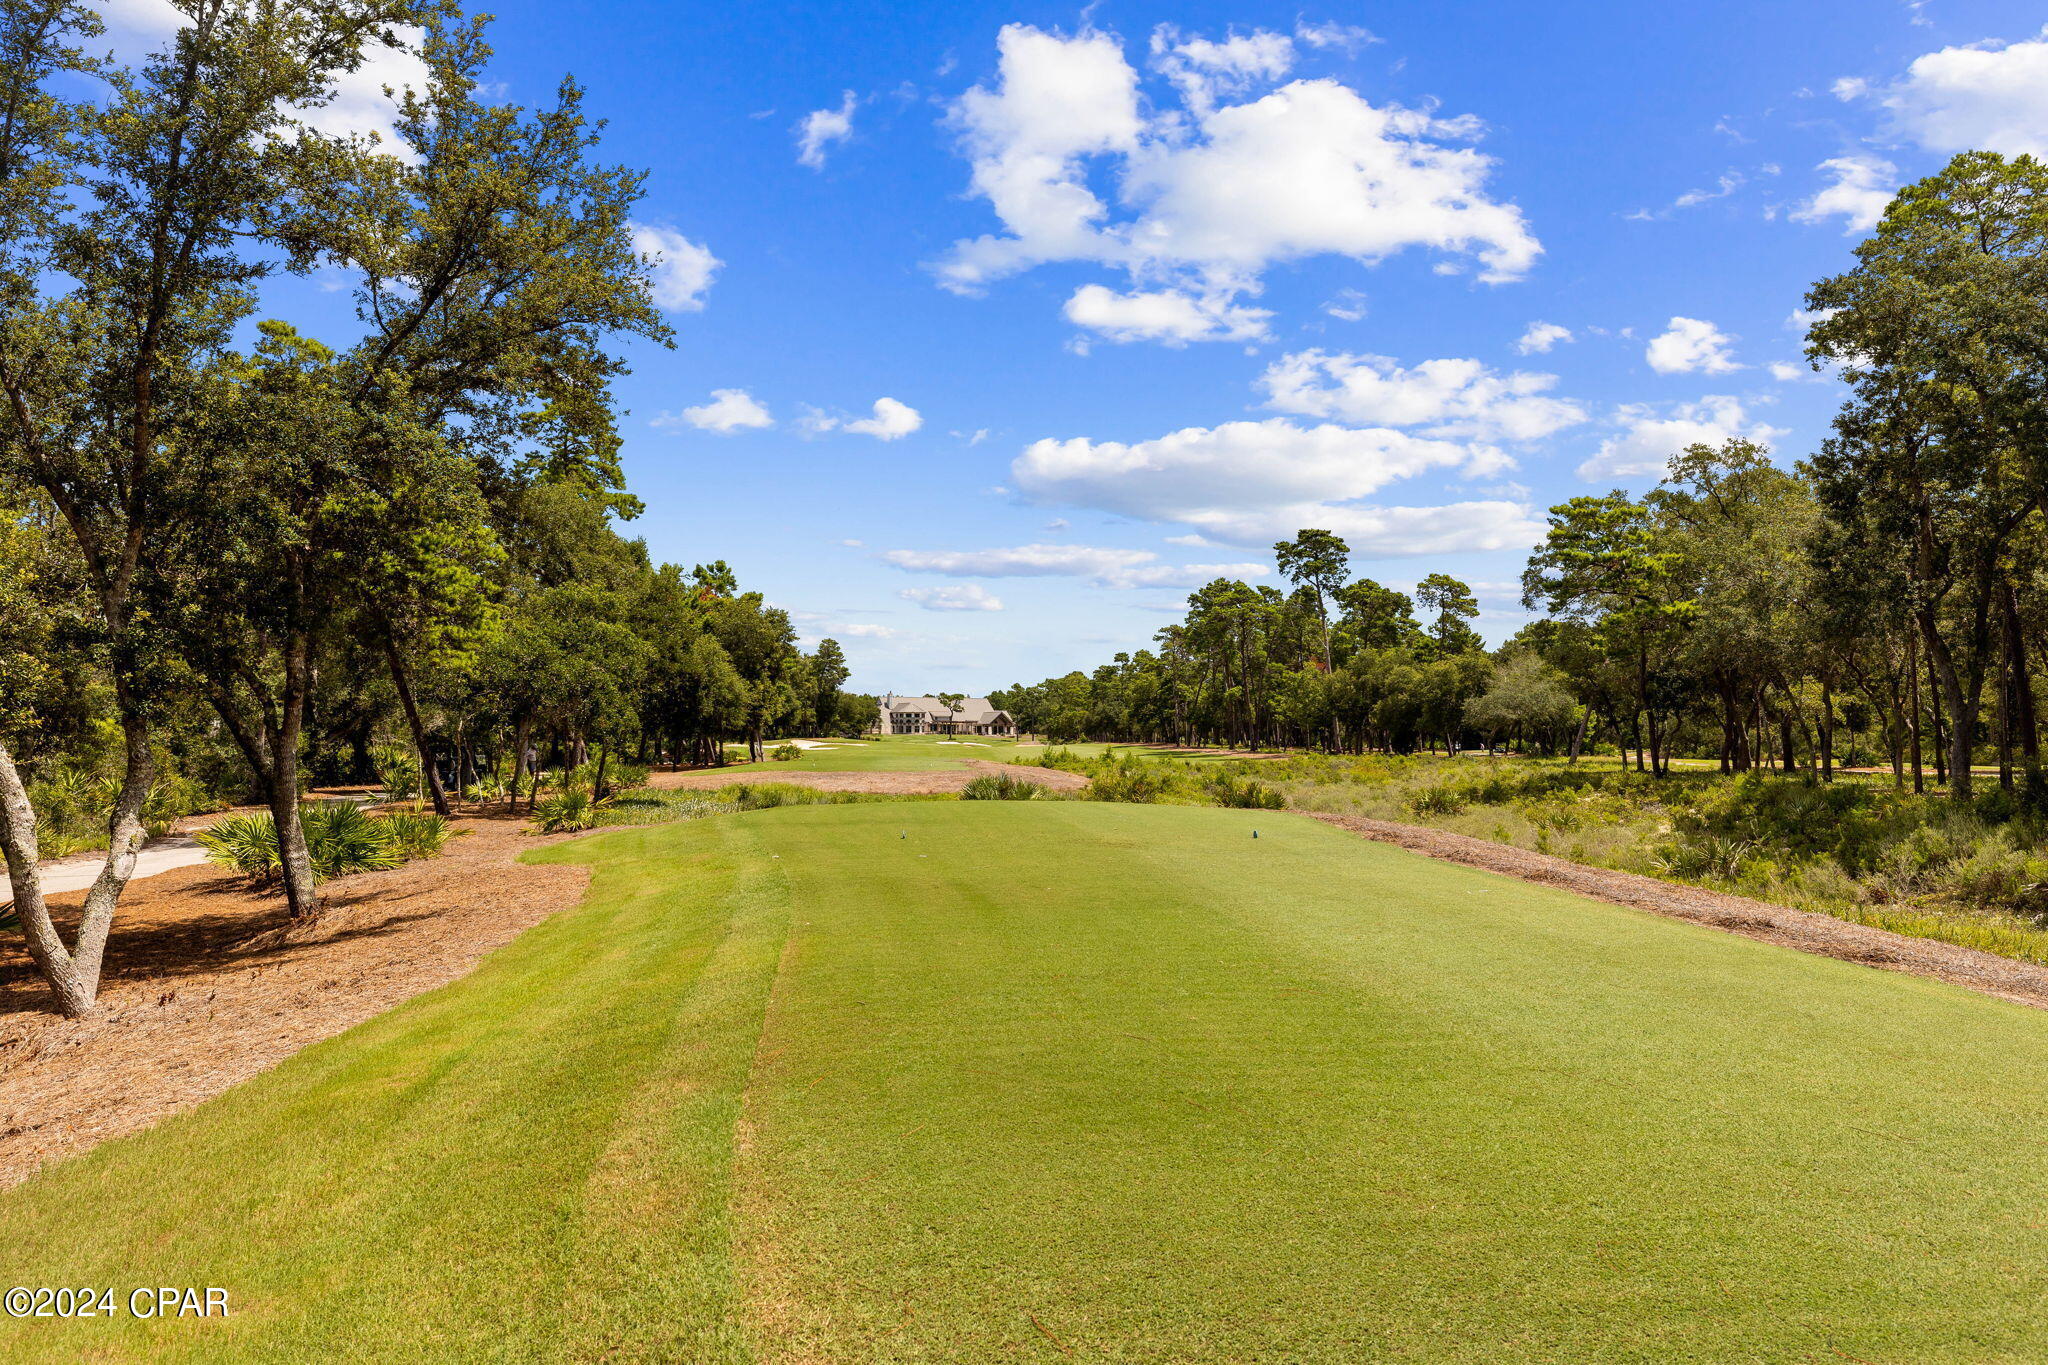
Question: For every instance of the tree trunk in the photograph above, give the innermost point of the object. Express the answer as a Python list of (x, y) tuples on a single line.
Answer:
[(2024, 718), (73, 973), (429, 773), (1827, 732), (1962, 694), (522, 735), (274, 762), (1913, 701)]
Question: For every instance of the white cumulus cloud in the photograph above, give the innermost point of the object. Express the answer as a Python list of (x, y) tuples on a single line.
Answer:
[(1689, 346), (1648, 435), (892, 420), (1331, 34), (1452, 398), (682, 268), (820, 128), (1105, 566), (1206, 69), (953, 597), (1861, 187), (1252, 482), (1982, 96), (728, 411), (1541, 336), (1210, 194), (1165, 315)]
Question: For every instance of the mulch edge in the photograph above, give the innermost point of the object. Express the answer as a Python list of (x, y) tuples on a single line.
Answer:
[(1807, 931)]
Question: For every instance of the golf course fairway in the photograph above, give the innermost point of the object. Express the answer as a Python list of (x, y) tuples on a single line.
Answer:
[(996, 1081)]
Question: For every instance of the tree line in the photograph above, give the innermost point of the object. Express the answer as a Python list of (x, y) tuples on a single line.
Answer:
[(237, 555), (1885, 599)]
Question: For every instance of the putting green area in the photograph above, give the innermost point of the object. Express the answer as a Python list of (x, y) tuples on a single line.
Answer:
[(1070, 1081)]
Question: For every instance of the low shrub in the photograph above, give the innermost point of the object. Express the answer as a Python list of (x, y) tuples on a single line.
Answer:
[(1444, 800), (770, 795), (783, 753), (341, 838), (1133, 783), (1698, 857), (73, 805), (246, 843), (999, 787), (398, 770), (1244, 793), (572, 811), (645, 806), (417, 834)]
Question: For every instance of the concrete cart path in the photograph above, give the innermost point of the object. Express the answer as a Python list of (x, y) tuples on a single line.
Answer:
[(75, 874)]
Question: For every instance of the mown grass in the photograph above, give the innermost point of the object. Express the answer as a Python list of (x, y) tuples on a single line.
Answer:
[(528, 1165), (966, 1081), (905, 753)]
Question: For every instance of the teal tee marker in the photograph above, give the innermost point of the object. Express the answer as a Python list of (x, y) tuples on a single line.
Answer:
[(1255, 834)]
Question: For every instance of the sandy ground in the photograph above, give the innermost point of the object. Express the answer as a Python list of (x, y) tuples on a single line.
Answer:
[(2021, 982), (914, 783), (207, 983)]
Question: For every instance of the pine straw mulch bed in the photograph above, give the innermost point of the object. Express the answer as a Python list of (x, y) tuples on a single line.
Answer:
[(930, 781), (2023, 983), (208, 983)]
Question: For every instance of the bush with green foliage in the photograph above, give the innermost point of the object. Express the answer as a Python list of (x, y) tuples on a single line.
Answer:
[(72, 805), (417, 833), (246, 843), (783, 753), (1244, 793), (999, 787), (398, 770), (570, 812), (341, 838)]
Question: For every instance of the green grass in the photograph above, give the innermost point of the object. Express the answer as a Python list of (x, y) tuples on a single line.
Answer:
[(899, 754), (1051, 1081)]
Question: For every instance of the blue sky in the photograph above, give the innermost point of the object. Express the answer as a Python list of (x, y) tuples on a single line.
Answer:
[(1240, 267)]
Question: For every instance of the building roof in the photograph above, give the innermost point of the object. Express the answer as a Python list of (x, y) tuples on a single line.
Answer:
[(976, 710)]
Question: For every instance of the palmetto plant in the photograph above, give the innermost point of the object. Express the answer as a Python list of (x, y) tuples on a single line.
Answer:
[(416, 833), (246, 843), (340, 839), (398, 770), (999, 787), (573, 810)]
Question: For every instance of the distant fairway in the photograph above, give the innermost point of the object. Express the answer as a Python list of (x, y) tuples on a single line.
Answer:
[(903, 754), (961, 1082)]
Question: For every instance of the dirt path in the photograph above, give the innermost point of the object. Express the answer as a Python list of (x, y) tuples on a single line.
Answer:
[(881, 783), (2021, 982), (207, 983)]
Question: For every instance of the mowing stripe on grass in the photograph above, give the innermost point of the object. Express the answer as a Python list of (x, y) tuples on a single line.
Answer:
[(957, 1082), (1123, 1082), (529, 1164)]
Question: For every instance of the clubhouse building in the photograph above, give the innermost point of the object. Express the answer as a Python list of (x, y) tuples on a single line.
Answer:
[(930, 716)]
